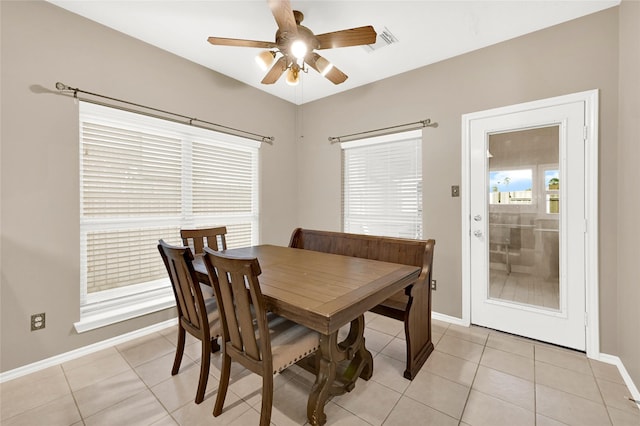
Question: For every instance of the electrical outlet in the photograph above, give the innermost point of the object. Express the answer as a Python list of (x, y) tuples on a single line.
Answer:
[(433, 284), (37, 321)]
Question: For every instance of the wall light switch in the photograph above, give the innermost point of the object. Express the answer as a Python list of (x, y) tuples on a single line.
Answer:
[(455, 191)]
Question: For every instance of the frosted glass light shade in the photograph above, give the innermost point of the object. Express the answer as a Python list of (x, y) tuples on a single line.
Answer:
[(293, 76), (265, 59)]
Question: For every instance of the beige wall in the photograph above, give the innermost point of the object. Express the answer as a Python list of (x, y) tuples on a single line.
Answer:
[(39, 210), (572, 57), (629, 193), (43, 44)]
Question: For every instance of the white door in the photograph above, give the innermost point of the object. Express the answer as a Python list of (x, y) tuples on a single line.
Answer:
[(527, 220)]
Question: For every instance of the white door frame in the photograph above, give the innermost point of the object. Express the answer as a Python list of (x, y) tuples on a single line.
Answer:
[(590, 99)]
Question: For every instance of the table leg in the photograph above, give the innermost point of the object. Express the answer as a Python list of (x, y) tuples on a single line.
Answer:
[(332, 352), (325, 377), (353, 346)]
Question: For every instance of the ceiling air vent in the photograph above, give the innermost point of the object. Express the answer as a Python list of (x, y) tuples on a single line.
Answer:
[(385, 38)]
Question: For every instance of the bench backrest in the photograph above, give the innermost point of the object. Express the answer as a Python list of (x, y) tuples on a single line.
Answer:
[(386, 249)]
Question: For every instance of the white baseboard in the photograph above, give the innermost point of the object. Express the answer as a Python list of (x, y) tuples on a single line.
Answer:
[(85, 350), (612, 359), (449, 319)]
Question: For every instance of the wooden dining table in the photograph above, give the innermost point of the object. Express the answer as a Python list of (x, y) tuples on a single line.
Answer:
[(325, 292)]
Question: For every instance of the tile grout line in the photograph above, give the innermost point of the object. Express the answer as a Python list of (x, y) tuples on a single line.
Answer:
[(49, 402), (403, 393), (184, 354), (604, 402), (534, 411), (473, 381), (535, 389), (582, 397), (145, 383), (73, 394)]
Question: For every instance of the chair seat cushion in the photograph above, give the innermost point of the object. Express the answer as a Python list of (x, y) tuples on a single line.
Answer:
[(290, 342)]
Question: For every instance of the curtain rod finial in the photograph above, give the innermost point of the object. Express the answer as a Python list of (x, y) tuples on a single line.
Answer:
[(61, 86), (428, 123)]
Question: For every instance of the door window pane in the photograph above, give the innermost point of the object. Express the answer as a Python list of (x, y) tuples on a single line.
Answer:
[(523, 235)]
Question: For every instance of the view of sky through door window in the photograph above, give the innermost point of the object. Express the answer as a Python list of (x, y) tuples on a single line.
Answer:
[(511, 186)]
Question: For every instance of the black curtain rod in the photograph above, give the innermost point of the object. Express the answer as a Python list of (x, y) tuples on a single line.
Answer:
[(384, 131), (187, 120)]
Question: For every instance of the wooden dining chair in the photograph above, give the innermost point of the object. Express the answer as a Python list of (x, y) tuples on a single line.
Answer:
[(261, 341), (197, 315), (199, 238), (215, 238)]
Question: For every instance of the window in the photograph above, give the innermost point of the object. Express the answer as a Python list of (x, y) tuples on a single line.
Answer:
[(516, 187), (142, 179), (552, 190), (382, 185), (513, 186)]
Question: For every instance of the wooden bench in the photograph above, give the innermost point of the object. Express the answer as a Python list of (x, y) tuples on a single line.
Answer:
[(413, 305)]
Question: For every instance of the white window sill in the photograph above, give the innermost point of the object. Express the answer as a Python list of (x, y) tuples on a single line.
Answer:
[(111, 311)]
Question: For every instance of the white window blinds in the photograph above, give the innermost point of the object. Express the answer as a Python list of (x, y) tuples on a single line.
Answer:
[(141, 180), (127, 173), (382, 185)]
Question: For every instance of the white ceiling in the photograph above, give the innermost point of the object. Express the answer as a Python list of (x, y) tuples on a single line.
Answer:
[(428, 31)]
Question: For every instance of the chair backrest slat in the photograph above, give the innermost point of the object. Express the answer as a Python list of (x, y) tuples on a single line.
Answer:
[(214, 238), (228, 311), (190, 295), (189, 299), (240, 303), (241, 295)]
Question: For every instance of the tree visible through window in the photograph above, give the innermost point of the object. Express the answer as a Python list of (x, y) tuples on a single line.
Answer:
[(552, 191)]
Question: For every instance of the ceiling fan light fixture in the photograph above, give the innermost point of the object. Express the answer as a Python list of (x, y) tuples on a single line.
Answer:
[(294, 47), (299, 49), (265, 59), (293, 75)]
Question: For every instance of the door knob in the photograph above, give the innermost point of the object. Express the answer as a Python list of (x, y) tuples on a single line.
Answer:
[(477, 218), (477, 233)]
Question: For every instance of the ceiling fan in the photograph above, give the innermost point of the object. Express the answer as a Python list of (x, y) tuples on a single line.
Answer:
[(295, 46)]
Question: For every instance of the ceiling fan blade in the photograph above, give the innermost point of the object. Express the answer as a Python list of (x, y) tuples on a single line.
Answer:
[(334, 74), (275, 72), (221, 41), (345, 38), (283, 14)]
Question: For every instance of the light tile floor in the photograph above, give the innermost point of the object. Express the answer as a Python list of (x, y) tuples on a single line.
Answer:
[(527, 288), (474, 377)]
